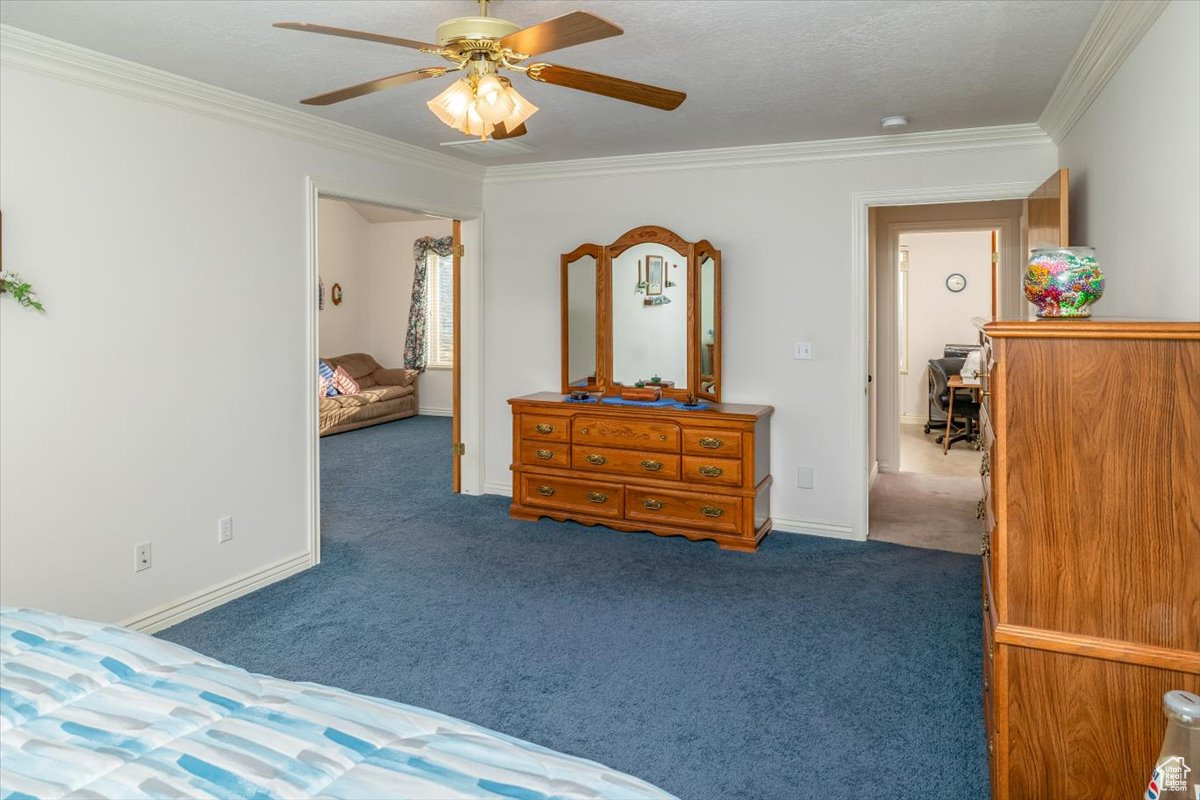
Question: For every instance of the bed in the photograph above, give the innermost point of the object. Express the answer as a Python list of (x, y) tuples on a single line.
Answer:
[(96, 711)]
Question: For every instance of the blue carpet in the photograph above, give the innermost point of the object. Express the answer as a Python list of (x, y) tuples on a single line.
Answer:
[(815, 668)]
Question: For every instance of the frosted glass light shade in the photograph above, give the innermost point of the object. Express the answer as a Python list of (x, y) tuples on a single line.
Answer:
[(492, 99), (454, 104), (522, 110)]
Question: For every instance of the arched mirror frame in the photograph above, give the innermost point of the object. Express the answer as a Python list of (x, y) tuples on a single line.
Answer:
[(703, 250), (647, 234), (601, 362)]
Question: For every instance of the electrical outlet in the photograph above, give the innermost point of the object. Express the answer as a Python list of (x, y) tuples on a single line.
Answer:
[(224, 529), (802, 351), (804, 477), (141, 557)]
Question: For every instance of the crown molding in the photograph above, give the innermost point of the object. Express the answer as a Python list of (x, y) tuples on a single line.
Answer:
[(21, 49), (992, 138), (1116, 30)]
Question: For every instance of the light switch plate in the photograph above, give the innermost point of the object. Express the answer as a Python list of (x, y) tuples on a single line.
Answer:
[(804, 477), (802, 351)]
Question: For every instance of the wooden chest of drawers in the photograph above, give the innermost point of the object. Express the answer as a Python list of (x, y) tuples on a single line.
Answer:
[(1091, 542), (703, 474)]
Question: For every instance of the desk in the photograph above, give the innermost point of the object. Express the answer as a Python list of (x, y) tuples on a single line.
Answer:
[(955, 383)]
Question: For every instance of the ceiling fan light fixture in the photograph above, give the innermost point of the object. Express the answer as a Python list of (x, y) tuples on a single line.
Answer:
[(477, 108)]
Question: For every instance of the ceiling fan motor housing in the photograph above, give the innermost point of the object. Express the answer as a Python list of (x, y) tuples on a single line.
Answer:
[(471, 29)]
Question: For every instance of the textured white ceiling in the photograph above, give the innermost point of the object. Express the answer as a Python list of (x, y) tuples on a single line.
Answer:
[(756, 71)]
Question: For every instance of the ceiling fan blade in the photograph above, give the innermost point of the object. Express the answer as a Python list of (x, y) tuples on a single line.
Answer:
[(349, 34), (619, 88), (500, 132), (377, 85), (568, 30)]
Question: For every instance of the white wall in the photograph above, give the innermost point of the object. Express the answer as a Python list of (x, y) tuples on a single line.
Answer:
[(375, 263), (343, 258), (784, 231), (936, 315), (1134, 159), (166, 385)]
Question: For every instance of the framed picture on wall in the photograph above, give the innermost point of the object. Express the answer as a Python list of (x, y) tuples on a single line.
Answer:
[(654, 275)]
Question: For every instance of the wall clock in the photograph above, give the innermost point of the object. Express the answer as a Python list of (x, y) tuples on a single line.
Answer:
[(956, 282)]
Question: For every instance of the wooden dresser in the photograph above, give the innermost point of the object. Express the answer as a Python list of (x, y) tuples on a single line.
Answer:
[(703, 474), (1091, 550)]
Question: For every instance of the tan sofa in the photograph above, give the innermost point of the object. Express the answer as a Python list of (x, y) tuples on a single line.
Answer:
[(385, 395)]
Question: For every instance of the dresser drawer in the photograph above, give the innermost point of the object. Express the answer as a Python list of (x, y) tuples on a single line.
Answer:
[(705, 469), (588, 497), (685, 509), (714, 442), (545, 426), (636, 434), (625, 462), (546, 453)]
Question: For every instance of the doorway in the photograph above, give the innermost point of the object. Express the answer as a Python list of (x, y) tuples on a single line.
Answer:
[(376, 303), (873, 333), (945, 277)]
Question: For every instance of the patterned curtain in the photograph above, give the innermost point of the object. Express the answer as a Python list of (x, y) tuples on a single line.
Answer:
[(416, 342)]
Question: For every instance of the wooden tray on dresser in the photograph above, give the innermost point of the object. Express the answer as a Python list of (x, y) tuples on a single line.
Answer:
[(702, 474)]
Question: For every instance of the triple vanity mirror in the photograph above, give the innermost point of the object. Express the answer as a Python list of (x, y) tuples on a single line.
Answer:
[(645, 308)]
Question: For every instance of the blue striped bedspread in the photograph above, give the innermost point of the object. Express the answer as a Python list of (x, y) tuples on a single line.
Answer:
[(97, 711)]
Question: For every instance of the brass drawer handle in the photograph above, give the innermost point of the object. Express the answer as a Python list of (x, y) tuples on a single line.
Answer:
[(597, 459), (584, 431), (711, 511), (710, 442), (652, 466), (597, 497), (653, 505), (544, 428), (984, 465), (545, 455), (546, 491), (662, 437), (711, 472)]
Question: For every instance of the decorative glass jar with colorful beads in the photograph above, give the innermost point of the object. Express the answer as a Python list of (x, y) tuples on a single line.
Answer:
[(1064, 281)]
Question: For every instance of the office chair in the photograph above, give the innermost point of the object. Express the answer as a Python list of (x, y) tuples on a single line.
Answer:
[(965, 407)]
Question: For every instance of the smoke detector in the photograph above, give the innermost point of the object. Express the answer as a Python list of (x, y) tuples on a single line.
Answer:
[(894, 123)]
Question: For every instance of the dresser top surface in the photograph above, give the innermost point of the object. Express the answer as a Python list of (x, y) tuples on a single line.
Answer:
[(725, 410), (1091, 328)]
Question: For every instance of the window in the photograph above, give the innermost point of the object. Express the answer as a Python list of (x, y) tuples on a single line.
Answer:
[(441, 310), (902, 315)]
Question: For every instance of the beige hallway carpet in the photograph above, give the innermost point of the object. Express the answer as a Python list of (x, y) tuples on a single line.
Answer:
[(931, 511)]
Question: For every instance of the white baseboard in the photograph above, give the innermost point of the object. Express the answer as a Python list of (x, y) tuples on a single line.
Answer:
[(178, 610), (435, 412), (495, 487), (833, 530)]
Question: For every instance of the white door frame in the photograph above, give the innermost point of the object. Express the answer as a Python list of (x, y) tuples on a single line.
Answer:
[(470, 330), (860, 203)]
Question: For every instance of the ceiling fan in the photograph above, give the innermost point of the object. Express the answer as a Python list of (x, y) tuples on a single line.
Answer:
[(484, 103)]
